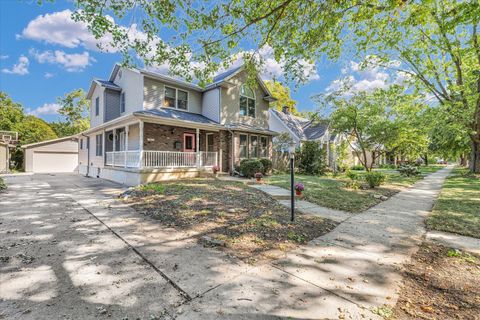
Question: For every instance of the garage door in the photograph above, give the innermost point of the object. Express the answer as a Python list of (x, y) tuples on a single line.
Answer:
[(54, 162)]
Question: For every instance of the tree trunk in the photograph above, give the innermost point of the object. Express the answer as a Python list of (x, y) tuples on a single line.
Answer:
[(463, 160), (475, 157)]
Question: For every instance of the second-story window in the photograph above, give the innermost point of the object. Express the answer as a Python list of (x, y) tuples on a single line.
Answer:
[(170, 97), (97, 106), (182, 100), (175, 98), (122, 102), (247, 101)]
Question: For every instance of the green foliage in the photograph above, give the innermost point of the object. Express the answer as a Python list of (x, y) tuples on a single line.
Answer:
[(387, 166), (33, 129), (357, 167), (74, 111), (267, 165), (352, 175), (11, 113), (281, 143), (3, 186), (282, 94), (312, 159), (248, 167), (374, 178), (341, 152), (408, 171), (153, 187)]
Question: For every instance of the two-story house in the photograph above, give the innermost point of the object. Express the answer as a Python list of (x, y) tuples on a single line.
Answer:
[(148, 127)]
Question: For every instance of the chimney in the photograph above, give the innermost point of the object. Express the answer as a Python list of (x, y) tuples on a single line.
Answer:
[(286, 109)]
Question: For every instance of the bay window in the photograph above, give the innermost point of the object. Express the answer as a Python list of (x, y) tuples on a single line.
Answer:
[(263, 147), (243, 146), (254, 146)]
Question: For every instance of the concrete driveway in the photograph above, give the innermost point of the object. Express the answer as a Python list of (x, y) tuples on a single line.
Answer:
[(69, 250)]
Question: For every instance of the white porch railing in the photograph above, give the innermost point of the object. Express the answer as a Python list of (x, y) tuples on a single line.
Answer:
[(160, 159), (128, 159)]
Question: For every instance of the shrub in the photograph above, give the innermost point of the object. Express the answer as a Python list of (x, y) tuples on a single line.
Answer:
[(248, 167), (357, 167), (374, 178), (408, 171), (353, 184), (387, 166), (312, 159), (267, 165), (352, 175)]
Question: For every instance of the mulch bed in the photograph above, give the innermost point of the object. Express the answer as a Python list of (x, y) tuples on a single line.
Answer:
[(240, 220), (440, 283)]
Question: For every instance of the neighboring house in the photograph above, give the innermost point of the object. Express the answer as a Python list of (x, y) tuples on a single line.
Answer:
[(300, 129), (149, 127), (3, 157), (57, 155)]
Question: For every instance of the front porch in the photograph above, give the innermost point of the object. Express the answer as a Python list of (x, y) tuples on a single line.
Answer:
[(145, 145)]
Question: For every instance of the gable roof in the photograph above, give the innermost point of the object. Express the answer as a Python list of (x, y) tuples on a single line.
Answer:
[(302, 128), (71, 138), (104, 83)]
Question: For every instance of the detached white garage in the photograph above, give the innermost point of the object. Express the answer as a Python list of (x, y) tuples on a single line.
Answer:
[(59, 155)]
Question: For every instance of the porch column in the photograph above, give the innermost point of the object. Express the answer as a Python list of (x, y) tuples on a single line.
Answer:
[(198, 147), (126, 144), (114, 132), (140, 160)]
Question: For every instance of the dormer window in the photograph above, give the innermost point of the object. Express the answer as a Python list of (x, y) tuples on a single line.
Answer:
[(247, 101)]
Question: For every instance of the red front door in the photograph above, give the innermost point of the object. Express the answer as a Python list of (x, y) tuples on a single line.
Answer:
[(188, 142)]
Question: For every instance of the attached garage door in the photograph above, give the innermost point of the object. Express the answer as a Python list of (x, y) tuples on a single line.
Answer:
[(54, 162)]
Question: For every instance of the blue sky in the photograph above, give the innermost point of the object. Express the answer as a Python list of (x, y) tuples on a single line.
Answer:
[(43, 56)]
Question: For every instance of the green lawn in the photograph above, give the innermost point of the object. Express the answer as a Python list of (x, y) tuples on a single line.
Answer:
[(457, 209), (332, 192)]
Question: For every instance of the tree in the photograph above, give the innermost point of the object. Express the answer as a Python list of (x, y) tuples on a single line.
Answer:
[(368, 116), (11, 113), (282, 94), (33, 129), (209, 37), (311, 158), (74, 111), (436, 43)]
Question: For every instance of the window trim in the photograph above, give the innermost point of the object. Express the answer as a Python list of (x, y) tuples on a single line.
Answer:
[(176, 98), (97, 106), (254, 99), (246, 146), (206, 141), (123, 102), (262, 149), (81, 143), (251, 146), (99, 146)]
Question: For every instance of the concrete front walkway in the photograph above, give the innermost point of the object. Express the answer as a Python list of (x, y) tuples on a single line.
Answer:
[(347, 273)]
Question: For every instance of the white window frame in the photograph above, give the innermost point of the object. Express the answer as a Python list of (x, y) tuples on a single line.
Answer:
[(246, 146), (206, 140), (261, 155), (176, 98), (123, 102), (248, 98), (99, 146), (97, 106), (251, 146)]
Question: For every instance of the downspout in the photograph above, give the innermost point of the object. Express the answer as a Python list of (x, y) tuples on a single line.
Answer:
[(232, 166), (88, 155)]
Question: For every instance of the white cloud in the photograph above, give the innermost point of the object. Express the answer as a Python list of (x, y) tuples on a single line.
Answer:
[(59, 28), (46, 109), (275, 69), (366, 77), (71, 62), (20, 68), (48, 75)]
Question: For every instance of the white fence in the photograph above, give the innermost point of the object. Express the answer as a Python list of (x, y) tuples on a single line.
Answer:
[(160, 159)]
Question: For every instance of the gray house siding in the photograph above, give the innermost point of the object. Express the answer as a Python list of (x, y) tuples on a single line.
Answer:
[(112, 104)]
